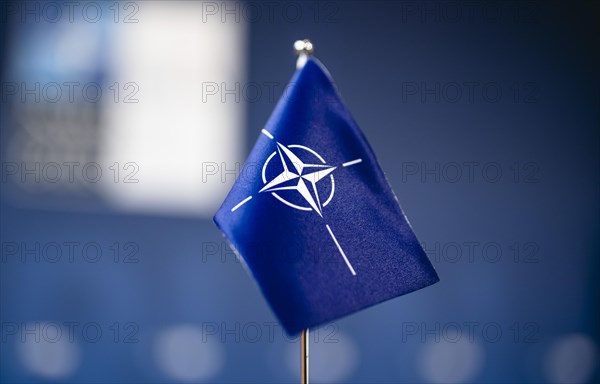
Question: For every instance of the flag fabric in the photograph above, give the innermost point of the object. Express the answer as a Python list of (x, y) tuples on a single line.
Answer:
[(312, 215)]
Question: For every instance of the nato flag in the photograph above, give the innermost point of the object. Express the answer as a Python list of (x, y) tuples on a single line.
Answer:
[(313, 216)]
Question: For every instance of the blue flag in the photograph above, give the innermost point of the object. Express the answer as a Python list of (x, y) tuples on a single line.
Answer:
[(313, 216)]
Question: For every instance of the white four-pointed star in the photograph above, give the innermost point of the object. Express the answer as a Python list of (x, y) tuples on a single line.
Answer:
[(296, 178)]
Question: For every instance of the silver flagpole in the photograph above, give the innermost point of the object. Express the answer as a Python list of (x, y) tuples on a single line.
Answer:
[(304, 356), (303, 49)]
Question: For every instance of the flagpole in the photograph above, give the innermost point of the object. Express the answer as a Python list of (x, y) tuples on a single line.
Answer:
[(304, 49), (304, 356)]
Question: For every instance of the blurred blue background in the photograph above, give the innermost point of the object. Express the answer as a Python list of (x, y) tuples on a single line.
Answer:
[(124, 124)]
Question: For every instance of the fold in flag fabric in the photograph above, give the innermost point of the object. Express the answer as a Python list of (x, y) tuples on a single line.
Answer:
[(313, 216)]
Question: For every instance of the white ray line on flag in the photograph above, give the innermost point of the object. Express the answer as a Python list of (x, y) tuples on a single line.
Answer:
[(267, 133), (349, 163), (241, 203), (341, 251)]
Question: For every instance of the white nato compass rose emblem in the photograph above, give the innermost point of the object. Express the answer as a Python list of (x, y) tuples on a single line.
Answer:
[(302, 178)]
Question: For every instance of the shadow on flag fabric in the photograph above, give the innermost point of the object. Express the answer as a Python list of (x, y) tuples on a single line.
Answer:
[(313, 216)]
